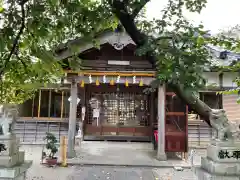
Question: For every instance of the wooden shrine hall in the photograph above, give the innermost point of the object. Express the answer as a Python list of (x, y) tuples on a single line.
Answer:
[(108, 96)]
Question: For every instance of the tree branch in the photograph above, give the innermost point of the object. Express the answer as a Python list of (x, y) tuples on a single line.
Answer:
[(139, 7), (120, 10), (194, 102), (140, 39), (23, 63), (16, 40)]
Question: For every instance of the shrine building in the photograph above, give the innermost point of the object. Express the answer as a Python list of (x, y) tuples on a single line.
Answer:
[(108, 96)]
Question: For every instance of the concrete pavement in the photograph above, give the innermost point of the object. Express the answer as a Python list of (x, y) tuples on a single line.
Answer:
[(121, 154), (39, 172), (116, 173)]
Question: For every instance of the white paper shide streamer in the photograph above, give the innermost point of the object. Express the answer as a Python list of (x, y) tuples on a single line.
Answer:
[(134, 79), (90, 79), (104, 79), (118, 79)]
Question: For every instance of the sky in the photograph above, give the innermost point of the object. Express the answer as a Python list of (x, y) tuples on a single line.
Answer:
[(218, 14)]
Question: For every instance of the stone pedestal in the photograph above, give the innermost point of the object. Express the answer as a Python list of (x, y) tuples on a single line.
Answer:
[(222, 162), (12, 164)]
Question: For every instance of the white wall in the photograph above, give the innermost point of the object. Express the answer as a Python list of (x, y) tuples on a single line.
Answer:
[(228, 78), (212, 78)]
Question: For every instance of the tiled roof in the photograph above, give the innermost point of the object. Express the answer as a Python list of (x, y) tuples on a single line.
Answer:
[(217, 56)]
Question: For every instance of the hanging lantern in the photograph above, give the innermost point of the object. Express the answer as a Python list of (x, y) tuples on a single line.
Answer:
[(97, 82), (112, 82), (82, 83), (141, 82), (134, 79), (104, 79)]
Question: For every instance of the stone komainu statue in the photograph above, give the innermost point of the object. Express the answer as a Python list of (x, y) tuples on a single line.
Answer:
[(224, 129), (8, 115)]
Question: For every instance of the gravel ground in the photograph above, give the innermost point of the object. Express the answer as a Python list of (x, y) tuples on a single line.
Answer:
[(40, 172)]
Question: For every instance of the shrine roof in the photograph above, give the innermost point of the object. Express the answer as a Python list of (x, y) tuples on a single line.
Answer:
[(220, 56)]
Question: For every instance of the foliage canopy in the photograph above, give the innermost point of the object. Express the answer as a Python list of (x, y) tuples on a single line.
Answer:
[(32, 30)]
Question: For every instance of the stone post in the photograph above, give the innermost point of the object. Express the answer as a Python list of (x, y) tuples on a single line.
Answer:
[(222, 162), (12, 161), (161, 155), (223, 152), (72, 120)]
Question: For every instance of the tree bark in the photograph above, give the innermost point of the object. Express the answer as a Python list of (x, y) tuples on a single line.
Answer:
[(127, 20), (193, 101)]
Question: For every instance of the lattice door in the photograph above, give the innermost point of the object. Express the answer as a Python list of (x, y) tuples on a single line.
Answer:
[(120, 109)]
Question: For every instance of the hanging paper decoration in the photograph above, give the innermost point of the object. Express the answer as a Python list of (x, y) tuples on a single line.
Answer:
[(134, 79), (97, 82), (126, 83), (82, 83), (112, 82), (141, 82), (104, 79), (90, 79), (118, 79)]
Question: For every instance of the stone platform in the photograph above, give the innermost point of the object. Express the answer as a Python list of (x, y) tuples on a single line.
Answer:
[(121, 154), (204, 175), (17, 172), (12, 161), (222, 162)]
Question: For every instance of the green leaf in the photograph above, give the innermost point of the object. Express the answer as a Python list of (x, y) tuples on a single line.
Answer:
[(200, 41), (1, 9)]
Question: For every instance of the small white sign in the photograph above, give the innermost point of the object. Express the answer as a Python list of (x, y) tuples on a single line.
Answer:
[(70, 99), (96, 113), (121, 63)]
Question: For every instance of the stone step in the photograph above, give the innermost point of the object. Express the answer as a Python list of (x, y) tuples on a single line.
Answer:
[(204, 175), (226, 169)]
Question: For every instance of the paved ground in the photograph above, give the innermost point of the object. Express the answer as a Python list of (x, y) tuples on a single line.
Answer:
[(39, 172), (121, 153), (109, 173)]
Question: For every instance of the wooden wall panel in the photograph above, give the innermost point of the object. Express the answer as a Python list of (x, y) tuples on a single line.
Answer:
[(231, 107), (98, 59)]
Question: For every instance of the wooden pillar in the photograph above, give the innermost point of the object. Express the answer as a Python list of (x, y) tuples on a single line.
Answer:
[(33, 103), (62, 104), (152, 113), (72, 120), (220, 96), (161, 155), (39, 103), (49, 103)]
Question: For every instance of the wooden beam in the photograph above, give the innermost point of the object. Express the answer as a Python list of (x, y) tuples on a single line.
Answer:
[(108, 73), (62, 104), (39, 103)]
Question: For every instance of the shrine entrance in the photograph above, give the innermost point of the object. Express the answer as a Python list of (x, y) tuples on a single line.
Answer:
[(117, 113)]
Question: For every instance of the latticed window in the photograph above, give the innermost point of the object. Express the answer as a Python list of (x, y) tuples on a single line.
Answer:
[(120, 109)]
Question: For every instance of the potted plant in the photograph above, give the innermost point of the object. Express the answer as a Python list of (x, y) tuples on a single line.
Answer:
[(51, 146)]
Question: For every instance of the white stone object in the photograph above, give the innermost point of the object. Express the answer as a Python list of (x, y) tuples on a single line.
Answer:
[(12, 163), (223, 153)]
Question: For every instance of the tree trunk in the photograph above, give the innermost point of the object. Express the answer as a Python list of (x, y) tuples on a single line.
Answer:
[(201, 108), (193, 101)]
